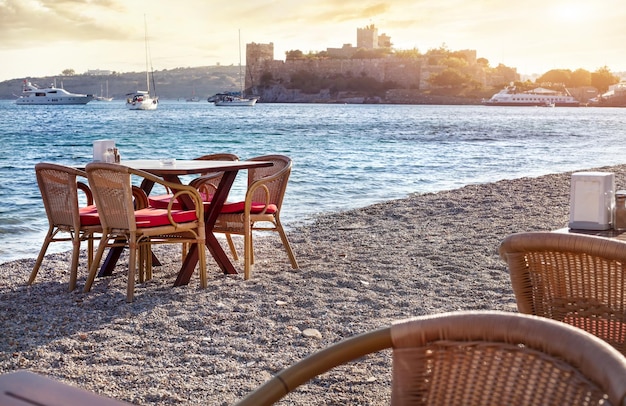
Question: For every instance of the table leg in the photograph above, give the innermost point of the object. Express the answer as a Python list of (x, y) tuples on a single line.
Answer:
[(214, 209)]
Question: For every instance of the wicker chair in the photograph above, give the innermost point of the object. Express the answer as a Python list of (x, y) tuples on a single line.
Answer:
[(574, 278), (59, 186), (123, 224), (260, 211), (475, 358)]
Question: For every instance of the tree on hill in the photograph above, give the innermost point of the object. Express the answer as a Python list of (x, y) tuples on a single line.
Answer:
[(602, 78)]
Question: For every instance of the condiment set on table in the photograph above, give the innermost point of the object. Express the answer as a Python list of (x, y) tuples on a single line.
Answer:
[(105, 151), (594, 203)]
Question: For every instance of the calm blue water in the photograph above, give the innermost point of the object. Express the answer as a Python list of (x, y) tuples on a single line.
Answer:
[(345, 156)]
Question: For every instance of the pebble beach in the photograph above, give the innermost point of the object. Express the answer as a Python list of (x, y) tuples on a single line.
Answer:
[(358, 270)]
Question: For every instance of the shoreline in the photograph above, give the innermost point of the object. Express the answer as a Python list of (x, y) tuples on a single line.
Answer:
[(359, 270)]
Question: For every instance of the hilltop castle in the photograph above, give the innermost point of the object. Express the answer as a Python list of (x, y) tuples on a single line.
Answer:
[(371, 58)]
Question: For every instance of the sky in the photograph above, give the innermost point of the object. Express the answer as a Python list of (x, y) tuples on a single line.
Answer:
[(45, 37)]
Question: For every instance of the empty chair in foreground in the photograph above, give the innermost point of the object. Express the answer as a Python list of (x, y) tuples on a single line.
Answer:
[(475, 358), (125, 225), (59, 186), (573, 278), (260, 211)]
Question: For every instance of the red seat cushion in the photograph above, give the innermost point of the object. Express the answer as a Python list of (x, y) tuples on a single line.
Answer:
[(153, 217), (89, 216), (161, 201), (238, 207)]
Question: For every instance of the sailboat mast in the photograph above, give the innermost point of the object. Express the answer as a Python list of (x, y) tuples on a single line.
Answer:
[(145, 34), (240, 78)]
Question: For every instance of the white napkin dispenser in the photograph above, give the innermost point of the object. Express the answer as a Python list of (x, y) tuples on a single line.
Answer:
[(592, 197), (100, 147)]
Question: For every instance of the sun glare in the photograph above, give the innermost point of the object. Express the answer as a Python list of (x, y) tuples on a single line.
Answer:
[(570, 13)]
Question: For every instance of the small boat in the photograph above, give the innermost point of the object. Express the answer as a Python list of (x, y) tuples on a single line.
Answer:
[(102, 97), (233, 98), (31, 94), (509, 96), (193, 97), (142, 99)]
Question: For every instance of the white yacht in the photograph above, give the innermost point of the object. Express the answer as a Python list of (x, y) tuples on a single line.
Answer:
[(141, 100), (510, 96), (31, 94)]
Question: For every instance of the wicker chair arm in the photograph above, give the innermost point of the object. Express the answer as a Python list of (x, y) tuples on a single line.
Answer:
[(318, 363), (141, 199), (251, 192), (83, 187)]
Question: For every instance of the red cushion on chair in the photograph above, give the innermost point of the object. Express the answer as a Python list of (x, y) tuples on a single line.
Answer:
[(238, 207), (89, 216), (152, 217), (161, 201)]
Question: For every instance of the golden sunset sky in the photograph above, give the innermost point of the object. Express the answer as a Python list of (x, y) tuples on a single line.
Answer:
[(44, 37)]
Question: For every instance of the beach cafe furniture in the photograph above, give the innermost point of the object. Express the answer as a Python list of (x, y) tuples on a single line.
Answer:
[(124, 225), (260, 211), (171, 171), (571, 277), (59, 186), (475, 358), (206, 183), (27, 388)]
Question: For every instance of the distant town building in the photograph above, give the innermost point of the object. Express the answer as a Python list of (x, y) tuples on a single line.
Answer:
[(98, 72)]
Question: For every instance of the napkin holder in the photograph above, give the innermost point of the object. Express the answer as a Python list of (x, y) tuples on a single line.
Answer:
[(592, 197), (100, 147)]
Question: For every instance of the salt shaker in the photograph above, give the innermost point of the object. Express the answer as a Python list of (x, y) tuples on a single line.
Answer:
[(108, 156), (620, 210), (116, 155)]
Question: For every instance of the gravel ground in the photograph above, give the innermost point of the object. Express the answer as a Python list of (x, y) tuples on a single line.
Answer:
[(359, 270)]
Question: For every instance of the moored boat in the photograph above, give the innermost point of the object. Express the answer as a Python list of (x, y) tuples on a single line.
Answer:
[(142, 99), (31, 94), (233, 98), (509, 96)]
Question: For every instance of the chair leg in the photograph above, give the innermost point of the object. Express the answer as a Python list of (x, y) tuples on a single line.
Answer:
[(42, 253), (74, 263), (93, 269), (283, 237), (231, 245), (132, 264), (247, 250), (202, 264), (89, 250)]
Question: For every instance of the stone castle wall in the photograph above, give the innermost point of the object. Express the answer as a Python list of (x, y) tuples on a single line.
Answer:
[(405, 72)]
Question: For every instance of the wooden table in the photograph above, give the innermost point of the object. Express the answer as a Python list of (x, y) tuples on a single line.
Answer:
[(24, 388), (611, 233), (172, 173)]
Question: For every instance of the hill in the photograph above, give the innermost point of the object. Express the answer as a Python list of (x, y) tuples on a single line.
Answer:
[(179, 83)]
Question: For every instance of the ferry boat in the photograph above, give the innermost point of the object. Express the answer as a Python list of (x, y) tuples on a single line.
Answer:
[(509, 96), (31, 94)]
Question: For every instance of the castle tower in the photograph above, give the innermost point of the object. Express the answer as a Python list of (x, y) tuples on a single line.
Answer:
[(367, 37)]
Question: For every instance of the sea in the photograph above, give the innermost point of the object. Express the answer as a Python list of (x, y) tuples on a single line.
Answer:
[(345, 156)]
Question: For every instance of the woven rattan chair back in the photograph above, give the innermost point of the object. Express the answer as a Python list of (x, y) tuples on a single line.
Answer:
[(266, 186), (475, 358), (59, 186), (574, 278), (114, 195)]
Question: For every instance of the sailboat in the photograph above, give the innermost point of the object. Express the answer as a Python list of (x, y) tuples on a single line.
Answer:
[(142, 99), (232, 98), (102, 97)]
